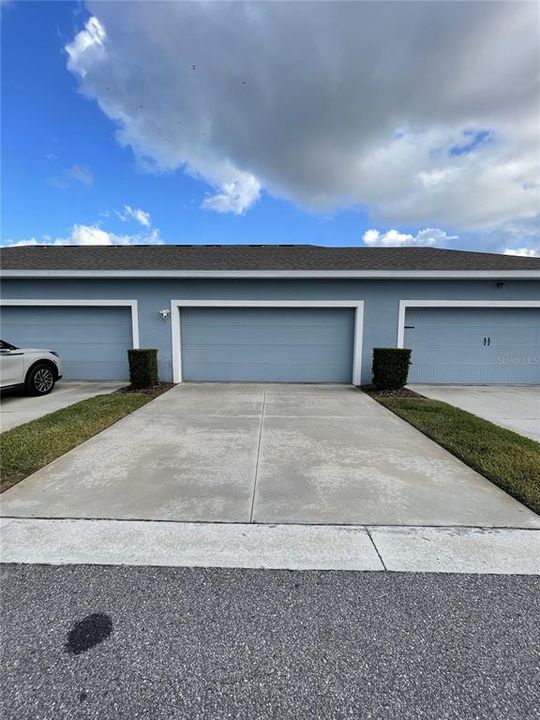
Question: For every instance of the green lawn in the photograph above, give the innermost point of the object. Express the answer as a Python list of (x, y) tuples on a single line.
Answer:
[(507, 459), (26, 448)]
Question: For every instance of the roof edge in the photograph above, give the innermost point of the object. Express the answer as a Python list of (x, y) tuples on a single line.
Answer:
[(285, 274)]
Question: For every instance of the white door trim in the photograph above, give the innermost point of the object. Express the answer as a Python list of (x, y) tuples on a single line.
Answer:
[(356, 305), (404, 304), (39, 302)]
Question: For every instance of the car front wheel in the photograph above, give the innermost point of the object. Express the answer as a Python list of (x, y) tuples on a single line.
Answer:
[(40, 380)]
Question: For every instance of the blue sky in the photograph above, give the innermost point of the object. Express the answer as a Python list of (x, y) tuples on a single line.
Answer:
[(77, 148), (49, 127)]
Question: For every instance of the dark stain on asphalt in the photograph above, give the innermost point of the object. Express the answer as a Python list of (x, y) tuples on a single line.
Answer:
[(89, 632)]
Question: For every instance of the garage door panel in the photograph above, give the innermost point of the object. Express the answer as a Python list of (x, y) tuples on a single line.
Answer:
[(474, 346), (74, 369), (276, 352), (91, 341), (441, 355), (516, 335), (430, 334), (467, 354), (267, 344), (88, 353), (242, 316), (474, 374), (270, 372), (266, 334)]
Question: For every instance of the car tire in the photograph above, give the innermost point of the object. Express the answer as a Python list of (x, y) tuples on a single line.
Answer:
[(40, 380)]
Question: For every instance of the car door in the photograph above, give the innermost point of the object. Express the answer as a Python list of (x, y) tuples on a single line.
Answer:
[(11, 365)]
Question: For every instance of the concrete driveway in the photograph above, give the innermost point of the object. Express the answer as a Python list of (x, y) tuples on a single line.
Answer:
[(266, 454), (514, 407), (17, 408)]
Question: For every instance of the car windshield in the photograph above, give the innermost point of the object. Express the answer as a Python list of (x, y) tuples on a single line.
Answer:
[(7, 346)]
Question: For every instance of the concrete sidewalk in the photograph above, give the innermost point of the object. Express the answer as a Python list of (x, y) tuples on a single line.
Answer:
[(300, 454), (293, 547)]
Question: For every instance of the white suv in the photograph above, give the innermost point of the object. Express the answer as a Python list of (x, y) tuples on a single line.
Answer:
[(33, 369)]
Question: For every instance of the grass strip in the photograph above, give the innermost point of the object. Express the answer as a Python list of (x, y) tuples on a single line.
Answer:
[(509, 460), (27, 448)]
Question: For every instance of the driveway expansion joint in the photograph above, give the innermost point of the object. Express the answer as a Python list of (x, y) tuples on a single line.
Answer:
[(260, 523), (258, 455), (376, 548)]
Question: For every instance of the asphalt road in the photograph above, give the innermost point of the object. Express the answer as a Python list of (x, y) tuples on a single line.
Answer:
[(127, 642)]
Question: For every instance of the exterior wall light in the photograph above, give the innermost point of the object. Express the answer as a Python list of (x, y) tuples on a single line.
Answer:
[(165, 313)]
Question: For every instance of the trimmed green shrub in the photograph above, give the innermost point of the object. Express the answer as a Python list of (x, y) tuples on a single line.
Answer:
[(143, 367), (390, 367)]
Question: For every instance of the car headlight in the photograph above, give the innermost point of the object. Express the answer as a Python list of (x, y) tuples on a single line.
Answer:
[(53, 352)]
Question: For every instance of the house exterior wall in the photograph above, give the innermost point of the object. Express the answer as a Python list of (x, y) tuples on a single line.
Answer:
[(381, 300)]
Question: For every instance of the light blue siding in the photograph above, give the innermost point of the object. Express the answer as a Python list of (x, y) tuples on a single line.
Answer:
[(267, 344), (381, 299), (92, 341), (473, 346)]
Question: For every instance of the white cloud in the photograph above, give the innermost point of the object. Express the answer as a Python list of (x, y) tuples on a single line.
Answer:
[(92, 235), (517, 237), (235, 196), (58, 183), (80, 173), (18, 243), (81, 234), (438, 132), (393, 238), (88, 44), (522, 252), (137, 214)]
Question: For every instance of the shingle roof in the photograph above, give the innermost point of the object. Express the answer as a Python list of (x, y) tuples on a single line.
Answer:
[(254, 257)]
